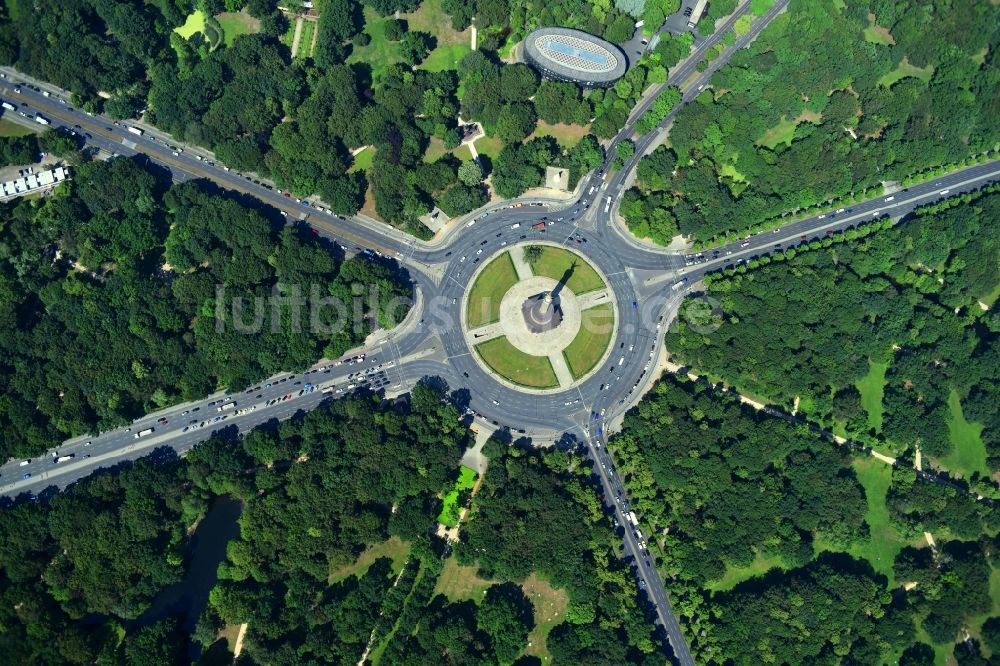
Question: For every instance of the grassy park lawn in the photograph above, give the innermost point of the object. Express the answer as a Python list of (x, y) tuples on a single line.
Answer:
[(872, 387), (363, 160), (990, 298), (736, 575), (554, 263), (780, 133), (380, 53), (550, 609), (489, 145), (306, 39), (195, 23), (493, 282), (235, 24), (460, 583), (8, 128), (884, 543), (880, 550), (450, 508), (14, 10), (596, 330), (289, 35), (445, 57), (875, 34), (970, 453), (728, 170), (904, 70), (436, 150), (516, 366), (784, 131), (394, 548), (566, 136), (430, 18)]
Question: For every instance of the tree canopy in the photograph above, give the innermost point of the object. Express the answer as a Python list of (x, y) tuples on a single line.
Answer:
[(137, 310), (816, 108), (905, 298)]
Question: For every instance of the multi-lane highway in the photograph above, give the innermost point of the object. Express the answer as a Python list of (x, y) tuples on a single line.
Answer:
[(647, 283)]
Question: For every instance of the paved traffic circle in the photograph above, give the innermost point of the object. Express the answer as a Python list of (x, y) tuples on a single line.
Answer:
[(539, 317)]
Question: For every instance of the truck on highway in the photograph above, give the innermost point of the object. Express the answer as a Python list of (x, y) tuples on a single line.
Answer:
[(680, 285), (226, 407), (9, 106), (632, 519), (135, 130), (143, 433), (64, 458), (41, 120)]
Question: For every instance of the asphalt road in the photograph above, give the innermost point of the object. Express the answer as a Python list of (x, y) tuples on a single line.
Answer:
[(647, 284)]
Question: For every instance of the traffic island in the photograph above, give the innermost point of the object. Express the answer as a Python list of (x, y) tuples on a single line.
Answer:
[(489, 287), (540, 317)]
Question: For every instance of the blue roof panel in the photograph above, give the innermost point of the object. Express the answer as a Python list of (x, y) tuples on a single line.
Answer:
[(566, 49)]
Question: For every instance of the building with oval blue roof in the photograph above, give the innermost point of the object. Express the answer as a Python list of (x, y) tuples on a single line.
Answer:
[(572, 55)]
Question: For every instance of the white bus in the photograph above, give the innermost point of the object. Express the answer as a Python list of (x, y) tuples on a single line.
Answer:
[(143, 433), (226, 407), (135, 130)]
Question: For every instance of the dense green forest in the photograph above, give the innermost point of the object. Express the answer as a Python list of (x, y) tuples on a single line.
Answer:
[(118, 298), (25, 150), (298, 120), (539, 511), (889, 338), (778, 547), (318, 492), (828, 101)]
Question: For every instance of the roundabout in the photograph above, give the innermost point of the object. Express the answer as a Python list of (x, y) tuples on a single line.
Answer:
[(539, 317)]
